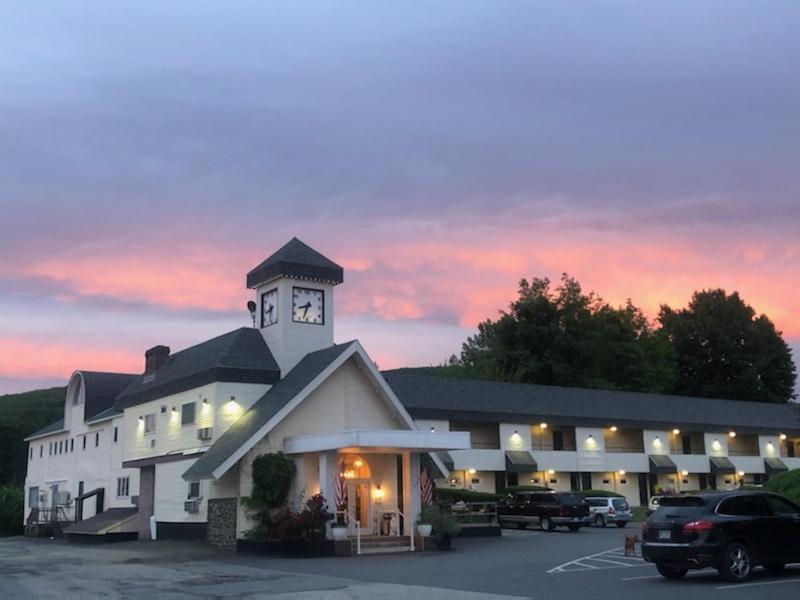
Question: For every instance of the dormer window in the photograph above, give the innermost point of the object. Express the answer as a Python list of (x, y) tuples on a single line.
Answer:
[(76, 392)]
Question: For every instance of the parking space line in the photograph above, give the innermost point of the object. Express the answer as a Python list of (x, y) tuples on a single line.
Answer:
[(757, 583), (641, 577), (609, 559)]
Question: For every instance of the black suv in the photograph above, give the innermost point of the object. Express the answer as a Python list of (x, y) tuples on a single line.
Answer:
[(548, 509), (729, 531)]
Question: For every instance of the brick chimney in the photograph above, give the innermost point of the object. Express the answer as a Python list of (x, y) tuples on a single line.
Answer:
[(155, 358)]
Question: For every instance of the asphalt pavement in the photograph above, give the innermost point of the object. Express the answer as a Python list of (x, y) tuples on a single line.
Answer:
[(558, 565)]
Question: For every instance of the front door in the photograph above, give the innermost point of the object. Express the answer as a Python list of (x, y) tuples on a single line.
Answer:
[(358, 505), (33, 497)]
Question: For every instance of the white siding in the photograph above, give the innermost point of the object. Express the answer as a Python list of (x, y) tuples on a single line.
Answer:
[(171, 491)]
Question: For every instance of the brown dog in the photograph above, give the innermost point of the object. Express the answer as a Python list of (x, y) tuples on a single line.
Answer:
[(630, 544)]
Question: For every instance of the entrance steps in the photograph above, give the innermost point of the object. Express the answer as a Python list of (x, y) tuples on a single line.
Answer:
[(382, 544)]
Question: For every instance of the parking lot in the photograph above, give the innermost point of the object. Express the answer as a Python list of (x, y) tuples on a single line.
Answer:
[(532, 564)]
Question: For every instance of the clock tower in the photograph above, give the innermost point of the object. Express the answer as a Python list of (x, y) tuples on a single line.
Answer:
[(294, 301)]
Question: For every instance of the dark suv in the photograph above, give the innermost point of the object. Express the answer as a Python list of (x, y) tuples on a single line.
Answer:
[(548, 509), (731, 532)]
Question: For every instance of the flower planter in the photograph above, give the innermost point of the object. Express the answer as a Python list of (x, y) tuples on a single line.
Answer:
[(424, 529), (339, 532), (290, 548)]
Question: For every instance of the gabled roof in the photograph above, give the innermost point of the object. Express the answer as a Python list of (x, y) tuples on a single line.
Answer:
[(430, 396), (241, 356), (264, 409), (56, 427), (101, 389), (298, 260)]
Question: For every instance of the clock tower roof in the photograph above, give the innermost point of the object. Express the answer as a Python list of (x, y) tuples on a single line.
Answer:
[(297, 260)]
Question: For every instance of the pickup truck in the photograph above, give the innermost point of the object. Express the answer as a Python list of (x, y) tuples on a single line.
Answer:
[(547, 509)]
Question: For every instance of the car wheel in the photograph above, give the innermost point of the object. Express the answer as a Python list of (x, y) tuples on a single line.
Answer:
[(522, 525), (573, 527), (599, 521), (737, 563), (671, 572), (546, 524), (774, 566), (621, 524)]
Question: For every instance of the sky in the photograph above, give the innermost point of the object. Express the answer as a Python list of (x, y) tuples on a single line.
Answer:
[(152, 153)]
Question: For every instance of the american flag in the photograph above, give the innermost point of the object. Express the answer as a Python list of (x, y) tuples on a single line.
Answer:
[(425, 488), (340, 491)]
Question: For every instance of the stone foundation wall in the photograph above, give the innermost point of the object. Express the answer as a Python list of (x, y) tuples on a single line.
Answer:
[(221, 529)]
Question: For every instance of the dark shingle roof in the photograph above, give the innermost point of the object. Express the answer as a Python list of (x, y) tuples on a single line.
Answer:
[(101, 389), (52, 428), (263, 410), (296, 259), (241, 355), (429, 396)]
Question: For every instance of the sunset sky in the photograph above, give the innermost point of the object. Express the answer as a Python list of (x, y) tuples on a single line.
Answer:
[(151, 155)]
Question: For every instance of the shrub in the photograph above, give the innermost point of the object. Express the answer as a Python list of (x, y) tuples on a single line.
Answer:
[(512, 489), (444, 525), (12, 505), (450, 495), (284, 524), (272, 480), (786, 483)]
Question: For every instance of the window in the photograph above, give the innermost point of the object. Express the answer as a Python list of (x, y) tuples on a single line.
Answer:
[(194, 490), (558, 440), (31, 454), (50, 449), (187, 413), (41, 451), (61, 446), (33, 497), (150, 423), (781, 507), (72, 445), (76, 394), (116, 434), (163, 409), (84, 442), (123, 487), (744, 506), (97, 439)]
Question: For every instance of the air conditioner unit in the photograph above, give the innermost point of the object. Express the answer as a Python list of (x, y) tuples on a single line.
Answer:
[(191, 506), (42, 498), (64, 498), (205, 433)]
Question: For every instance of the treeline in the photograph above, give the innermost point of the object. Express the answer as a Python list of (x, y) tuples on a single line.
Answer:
[(716, 347)]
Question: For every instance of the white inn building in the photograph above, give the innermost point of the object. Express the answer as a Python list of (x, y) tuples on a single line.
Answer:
[(169, 451)]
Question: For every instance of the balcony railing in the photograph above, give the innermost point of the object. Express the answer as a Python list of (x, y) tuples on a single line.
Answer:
[(563, 448), (625, 449), (752, 452), (486, 445), (692, 452), (55, 514)]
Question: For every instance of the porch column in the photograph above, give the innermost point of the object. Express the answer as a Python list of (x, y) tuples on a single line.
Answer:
[(411, 496), (327, 473)]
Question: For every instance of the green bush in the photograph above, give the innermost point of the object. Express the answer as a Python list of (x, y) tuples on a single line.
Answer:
[(12, 505), (272, 480), (787, 483), (451, 495), (512, 489)]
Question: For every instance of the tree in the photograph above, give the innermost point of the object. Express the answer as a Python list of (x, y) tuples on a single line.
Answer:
[(566, 337), (723, 350)]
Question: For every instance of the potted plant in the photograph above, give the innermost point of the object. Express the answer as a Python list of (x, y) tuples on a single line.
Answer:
[(424, 525), (339, 530), (445, 528)]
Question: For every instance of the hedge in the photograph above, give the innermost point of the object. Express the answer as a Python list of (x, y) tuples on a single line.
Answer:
[(512, 489), (12, 505), (786, 483), (598, 494), (456, 495)]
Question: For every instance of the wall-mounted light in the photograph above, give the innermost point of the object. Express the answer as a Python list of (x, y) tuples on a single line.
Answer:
[(433, 429), (471, 471), (731, 434), (741, 473), (141, 418), (174, 409), (358, 463), (621, 472), (770, 446), (613, 428), (590, 437), (551, 471), (684, 473), (378, 492), (542, 425), (716, 445), (783, 437), (205, 400), (676, 431)]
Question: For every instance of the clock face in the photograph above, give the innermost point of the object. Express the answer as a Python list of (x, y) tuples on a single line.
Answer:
[(269, 308), (308, 306)]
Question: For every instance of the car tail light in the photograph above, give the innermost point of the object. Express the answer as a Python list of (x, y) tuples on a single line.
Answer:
[(698, 526), (611, 511)]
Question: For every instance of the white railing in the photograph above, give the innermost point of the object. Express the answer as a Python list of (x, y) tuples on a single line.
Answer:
[(409, 524), (346, 516)]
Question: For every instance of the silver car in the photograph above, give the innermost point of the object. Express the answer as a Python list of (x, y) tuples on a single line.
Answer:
[(603, 511)]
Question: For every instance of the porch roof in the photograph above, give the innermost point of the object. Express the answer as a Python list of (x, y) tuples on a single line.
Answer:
[(389, 440)]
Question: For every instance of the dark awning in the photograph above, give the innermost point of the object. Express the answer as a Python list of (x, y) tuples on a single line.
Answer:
[(721, 465), (775, 465), (520, 461), (661, 464)]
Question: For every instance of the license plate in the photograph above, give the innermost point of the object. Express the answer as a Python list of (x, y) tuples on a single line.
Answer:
[(664, 534)]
